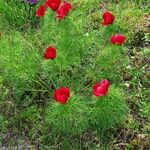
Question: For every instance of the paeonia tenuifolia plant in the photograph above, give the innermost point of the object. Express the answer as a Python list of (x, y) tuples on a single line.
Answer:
[(18, 13), (80, 64)]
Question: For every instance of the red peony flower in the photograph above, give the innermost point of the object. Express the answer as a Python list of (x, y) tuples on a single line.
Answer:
[(63, 10), (62, 94), (118, 39), (108, 18), (50, 53), (40, 11), (53, 4), (101, 89)]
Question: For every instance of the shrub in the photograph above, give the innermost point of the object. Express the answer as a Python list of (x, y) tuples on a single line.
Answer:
[(18, 13), (108, 111), (69, 118), (84, 55), (79, 114), (17, 63)]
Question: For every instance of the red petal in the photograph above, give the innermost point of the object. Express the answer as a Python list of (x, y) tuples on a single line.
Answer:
[(63, 10), (108, 18), (40, 11), (118, 39), (62, 94), (101, 89), (50, 53), (53, 4)]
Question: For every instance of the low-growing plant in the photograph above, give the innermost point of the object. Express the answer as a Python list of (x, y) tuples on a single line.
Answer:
[(78, 54), (17, 63), (19, 13), (68, 76), (109, 111), (69, 118)]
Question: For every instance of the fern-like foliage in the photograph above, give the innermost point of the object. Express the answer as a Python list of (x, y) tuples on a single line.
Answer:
[(69, 118), (109, 111), (19, 62)]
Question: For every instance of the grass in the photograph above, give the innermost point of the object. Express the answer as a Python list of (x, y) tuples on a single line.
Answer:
[(29, 117)]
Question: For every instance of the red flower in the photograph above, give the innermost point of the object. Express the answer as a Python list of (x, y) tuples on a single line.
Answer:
[(101, 89), (50, 53), (62, 94), (118, 39), (108, 18), (53, 4), (63, 10), (40, 11)]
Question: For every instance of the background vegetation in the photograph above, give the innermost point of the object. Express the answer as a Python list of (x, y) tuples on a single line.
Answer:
[(27, 110)]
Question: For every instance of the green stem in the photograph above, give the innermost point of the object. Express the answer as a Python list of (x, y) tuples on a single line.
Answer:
[(43, 84)]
